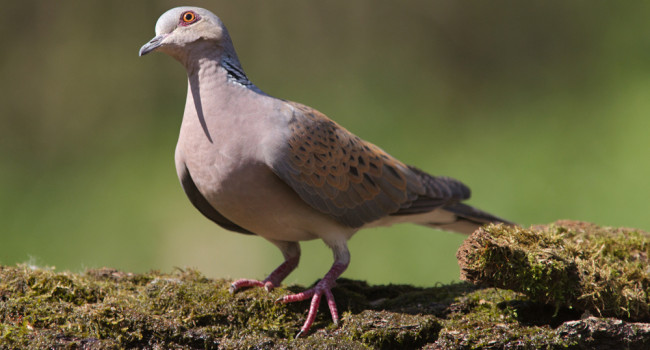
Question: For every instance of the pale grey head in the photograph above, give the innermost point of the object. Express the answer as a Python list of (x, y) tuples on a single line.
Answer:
[(186, 30)]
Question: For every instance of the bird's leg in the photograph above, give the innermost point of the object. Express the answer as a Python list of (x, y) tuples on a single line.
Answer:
[(291, 253), (323, 287)]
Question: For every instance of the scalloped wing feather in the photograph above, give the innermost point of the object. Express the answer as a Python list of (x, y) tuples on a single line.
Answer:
[(342, 175)]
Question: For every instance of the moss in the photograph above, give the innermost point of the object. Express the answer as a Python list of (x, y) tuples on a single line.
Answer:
[(598, 269), (485, 319), (110, 309), (389, 330)]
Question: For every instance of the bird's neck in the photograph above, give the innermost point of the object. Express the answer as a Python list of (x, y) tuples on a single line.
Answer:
[(216, 83), (212, 65), (235, 73)]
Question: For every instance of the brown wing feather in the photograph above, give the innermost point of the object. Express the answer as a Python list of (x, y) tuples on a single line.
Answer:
[(339, 174)]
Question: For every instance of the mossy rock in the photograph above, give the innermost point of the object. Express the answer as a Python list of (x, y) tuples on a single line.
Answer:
[(109, 309), (601, 270)]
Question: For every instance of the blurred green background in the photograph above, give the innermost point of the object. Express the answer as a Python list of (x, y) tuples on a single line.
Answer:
[(541, 107)]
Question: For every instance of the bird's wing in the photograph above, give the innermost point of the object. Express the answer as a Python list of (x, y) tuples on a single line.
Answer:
[(346, 177), (202, 204), (440, 191)]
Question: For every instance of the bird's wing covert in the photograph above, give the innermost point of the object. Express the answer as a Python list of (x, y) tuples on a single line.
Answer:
[(340, 174)]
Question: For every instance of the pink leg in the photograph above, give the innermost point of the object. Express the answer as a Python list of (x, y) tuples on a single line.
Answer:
[(324, 286), (291, 253)]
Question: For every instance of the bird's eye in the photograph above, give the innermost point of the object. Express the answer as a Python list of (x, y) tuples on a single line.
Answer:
[(188, 17)]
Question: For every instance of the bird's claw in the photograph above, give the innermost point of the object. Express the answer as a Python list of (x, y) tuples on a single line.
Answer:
[(242, 283), (315, 294)]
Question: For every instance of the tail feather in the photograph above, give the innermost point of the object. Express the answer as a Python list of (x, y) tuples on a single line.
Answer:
[(468, 219), (440, 207), (478, 216)]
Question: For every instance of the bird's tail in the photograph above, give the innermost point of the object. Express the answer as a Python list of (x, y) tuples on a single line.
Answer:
[(467, 219)]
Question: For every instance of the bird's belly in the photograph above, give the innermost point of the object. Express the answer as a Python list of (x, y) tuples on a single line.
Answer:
[(253, 197)]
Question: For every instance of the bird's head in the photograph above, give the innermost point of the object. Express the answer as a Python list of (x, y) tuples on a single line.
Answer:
[(182, 31)]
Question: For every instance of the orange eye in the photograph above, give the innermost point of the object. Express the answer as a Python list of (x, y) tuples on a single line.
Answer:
[(188, 17)]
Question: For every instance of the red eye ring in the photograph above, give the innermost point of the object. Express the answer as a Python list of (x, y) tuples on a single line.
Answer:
[(189, 17)]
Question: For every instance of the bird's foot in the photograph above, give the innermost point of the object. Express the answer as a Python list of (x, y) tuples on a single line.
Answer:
[(244, 283), (324, 287), (272, 281)]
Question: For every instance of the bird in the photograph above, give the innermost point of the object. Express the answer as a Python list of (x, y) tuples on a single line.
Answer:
[(260, 165)]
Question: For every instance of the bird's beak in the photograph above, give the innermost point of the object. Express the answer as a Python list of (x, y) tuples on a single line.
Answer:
[(152, 44)]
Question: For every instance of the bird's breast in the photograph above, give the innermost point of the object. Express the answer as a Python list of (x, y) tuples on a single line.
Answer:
[(232, 174)]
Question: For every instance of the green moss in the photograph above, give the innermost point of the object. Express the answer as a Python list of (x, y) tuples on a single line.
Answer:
[(599, 269), (109, 309), (487, 319), (389, 330)]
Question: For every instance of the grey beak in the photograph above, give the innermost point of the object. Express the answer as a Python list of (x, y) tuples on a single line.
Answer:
[(152, 44)]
